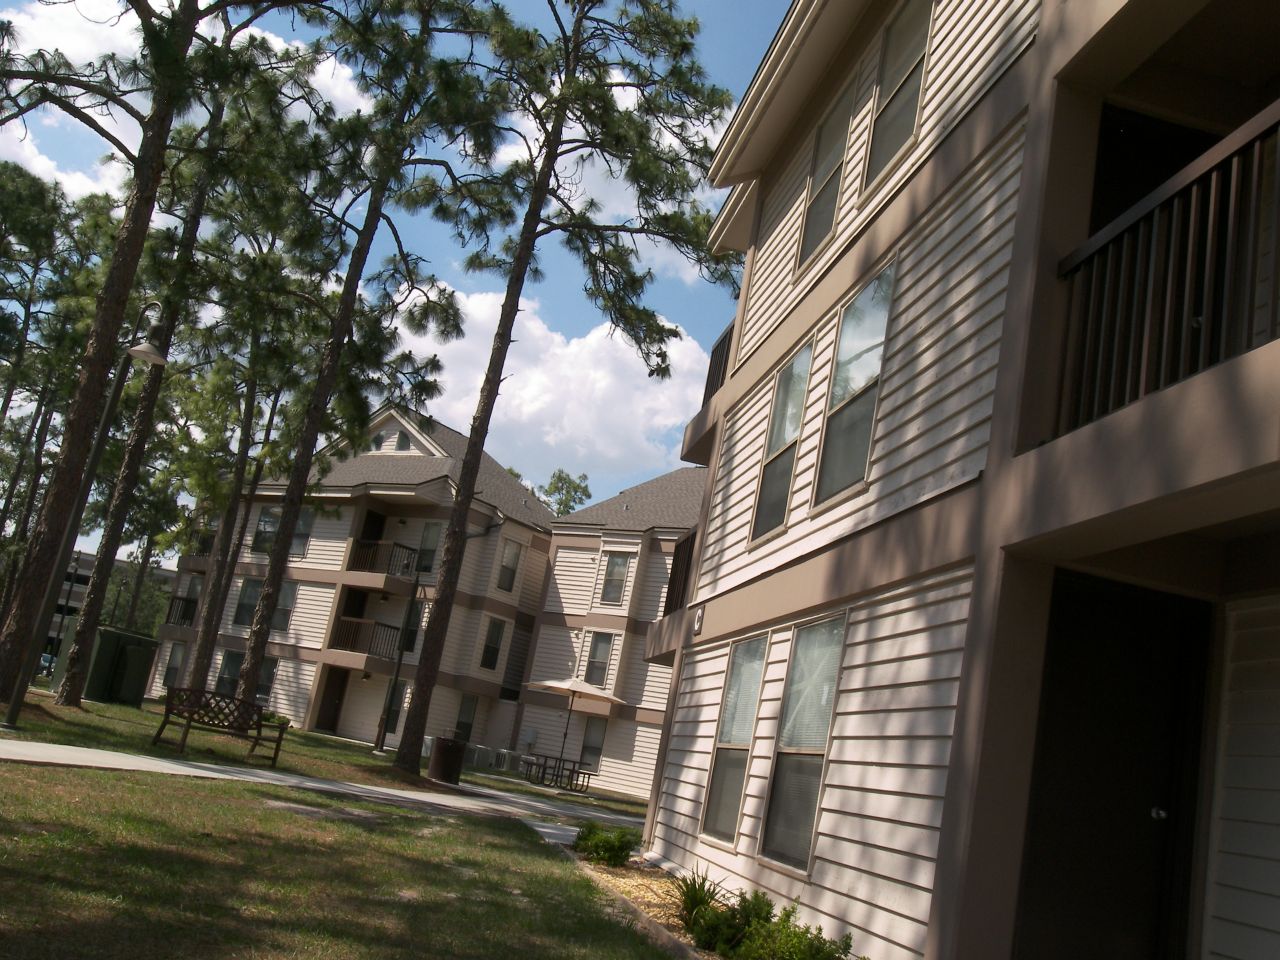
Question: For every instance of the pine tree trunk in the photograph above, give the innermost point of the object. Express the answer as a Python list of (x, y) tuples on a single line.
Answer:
[(139, 581), (409, 752), (304, 452), (222, 558), (61, 496), (16, 479), (19, 354)]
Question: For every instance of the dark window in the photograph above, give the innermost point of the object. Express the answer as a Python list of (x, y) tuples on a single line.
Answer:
[(733, 738), (825, 176), (264, 537), (410, 638), (173, 669), (780, 450), (855, 386), (248, 601), (598, 658), (228, 673), (615, 577), (901, 80), (492, 645), (466, 717), (266, 680), (808, 700), (428, 546), (593, 742), (510, 561), (397, 701)]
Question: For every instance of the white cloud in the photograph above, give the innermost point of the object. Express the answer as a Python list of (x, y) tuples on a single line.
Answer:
[(20, 147), (583, 403), (334, 80), (83, 30)]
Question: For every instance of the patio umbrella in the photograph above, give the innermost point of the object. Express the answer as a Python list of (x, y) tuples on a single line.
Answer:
[(575, 688)]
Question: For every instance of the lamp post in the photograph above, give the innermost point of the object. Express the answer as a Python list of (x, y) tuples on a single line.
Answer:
[(380, 740), (148, 351)]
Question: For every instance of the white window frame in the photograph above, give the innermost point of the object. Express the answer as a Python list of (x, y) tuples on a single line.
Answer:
[(603, 682), (744, 748), (288, 588), (514, 568), (825, 753), (844, 104), (582, 752), (301, 532), (870, 180), (817, 500), (609, 556), (793, 445)]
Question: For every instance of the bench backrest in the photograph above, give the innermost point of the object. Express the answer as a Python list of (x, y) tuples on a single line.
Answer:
[(213, 709)]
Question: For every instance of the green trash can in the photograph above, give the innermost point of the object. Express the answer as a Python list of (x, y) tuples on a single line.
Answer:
[(447, 755)]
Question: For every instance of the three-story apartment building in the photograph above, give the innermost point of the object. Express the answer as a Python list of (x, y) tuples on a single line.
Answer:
[(981, 651), (370, 532), (606, 582)]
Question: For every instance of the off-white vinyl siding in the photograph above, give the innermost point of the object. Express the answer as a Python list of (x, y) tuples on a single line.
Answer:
[(972, 43), (630, 748), (308, 623), (651, 589), (572, 581), (328, 543), (291, 690), (629, 549), (478, 560), (555, 654), (881, 805), (936, 390), (1242, 917), (640, 683)]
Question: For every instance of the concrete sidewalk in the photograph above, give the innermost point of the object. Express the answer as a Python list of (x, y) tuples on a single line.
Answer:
[(450, 799)]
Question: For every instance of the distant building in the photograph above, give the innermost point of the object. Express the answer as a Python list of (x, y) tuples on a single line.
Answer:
[(372, 526), (607, 582)]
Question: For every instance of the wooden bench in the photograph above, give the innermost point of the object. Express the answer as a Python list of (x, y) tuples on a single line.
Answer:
[(217, 711)]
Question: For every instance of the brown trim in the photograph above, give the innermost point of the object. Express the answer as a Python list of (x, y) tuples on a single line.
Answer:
[(597, 621), (281, 651)]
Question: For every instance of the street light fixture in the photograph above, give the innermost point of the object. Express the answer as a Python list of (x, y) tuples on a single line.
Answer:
[(152, 351)]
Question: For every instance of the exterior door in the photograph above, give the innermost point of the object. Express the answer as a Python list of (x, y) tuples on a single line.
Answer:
[(331, 697), (1106, 864)]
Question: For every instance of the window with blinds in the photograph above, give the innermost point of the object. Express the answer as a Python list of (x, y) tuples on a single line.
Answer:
[(807, 703), (855, 387), (780, 446), (900, 83), (733, 739)]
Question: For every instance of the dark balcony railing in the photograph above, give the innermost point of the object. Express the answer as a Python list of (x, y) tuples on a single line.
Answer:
[(202, 544), (718, 368), (678, 580), (182, 611), (366, 636), (383, 556), (1187, 278)]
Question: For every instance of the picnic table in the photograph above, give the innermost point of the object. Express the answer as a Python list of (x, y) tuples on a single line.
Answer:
[(559, 772)]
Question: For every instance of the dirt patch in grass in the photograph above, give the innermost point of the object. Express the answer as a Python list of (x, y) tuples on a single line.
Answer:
[(323, 813)]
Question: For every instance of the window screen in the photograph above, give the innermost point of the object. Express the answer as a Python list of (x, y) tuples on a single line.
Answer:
[(598, 658), (780, 447), (615, 577), (901, 80), (428, 546), (733, 738), (593, 742), (492, 645), (510, 561)]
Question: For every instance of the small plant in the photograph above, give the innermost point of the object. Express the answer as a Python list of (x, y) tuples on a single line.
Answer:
[(723, 929), (608, 845), (698, 893)]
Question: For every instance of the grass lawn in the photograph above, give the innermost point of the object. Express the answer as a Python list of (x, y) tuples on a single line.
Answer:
[(100, 864), (114, 726)]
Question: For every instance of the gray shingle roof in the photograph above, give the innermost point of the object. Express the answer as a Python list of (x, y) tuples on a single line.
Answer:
[(493, 486), (671, 500)]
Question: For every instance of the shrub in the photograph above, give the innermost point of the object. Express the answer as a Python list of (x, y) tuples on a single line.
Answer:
[(608, 845), (784, 939), (698, 893), (723, 929)]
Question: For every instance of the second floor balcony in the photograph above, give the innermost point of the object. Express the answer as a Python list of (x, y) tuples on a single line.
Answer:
[(384, 557), (370, 637), (1187, 278), (182, 611)]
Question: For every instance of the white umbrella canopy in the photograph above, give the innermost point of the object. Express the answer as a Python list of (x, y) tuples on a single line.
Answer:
[(574, 687)]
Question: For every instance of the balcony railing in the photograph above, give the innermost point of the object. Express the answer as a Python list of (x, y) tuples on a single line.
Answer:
[(1187, 278), (182, 611), (719, 365), (383, 556), (678, 580), (202, 544), (373, 637)]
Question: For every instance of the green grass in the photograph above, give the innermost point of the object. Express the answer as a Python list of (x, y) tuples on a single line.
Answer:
[(115, 726), (100, 865)]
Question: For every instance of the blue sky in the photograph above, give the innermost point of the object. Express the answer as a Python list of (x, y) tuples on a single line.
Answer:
[(574, 397)]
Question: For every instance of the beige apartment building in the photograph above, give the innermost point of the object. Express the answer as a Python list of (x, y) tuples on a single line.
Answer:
[(369, 533), (978, 652), (606, 583)]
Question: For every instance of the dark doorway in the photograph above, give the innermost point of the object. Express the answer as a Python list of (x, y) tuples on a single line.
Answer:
[(375, 524), (332, 691), (354, 603), (1106, 867)]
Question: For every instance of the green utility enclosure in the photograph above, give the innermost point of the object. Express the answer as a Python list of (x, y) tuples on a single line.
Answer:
[(119, 666)]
